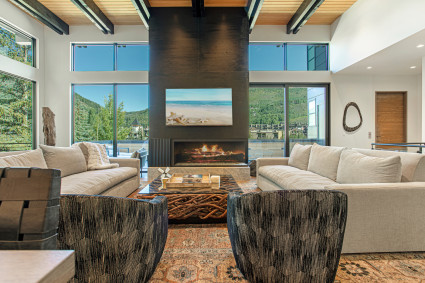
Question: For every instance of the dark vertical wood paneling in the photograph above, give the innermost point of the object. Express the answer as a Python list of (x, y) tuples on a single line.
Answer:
[(207, 52)]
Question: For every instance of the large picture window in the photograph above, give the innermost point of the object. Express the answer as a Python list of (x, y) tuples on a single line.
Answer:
[(110, 57), (116, 115), (282, 115), (16, 44), (16, 113)]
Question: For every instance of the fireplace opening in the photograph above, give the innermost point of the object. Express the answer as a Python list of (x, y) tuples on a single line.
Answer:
[(210, 153)]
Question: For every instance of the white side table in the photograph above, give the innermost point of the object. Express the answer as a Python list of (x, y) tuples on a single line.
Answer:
[(36, 266)]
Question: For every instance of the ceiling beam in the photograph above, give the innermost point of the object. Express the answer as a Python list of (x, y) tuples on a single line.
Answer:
[(198, 8), (143, 9), (253, 9), (92, 11), (44, 15), (304, 12)]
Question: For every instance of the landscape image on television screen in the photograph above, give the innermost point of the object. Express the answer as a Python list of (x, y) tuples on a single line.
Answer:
[(199, 107)]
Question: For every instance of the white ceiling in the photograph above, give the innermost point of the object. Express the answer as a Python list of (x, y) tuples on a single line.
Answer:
[(394, 60)]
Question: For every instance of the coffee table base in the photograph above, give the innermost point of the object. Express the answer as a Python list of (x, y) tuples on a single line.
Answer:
[(202, 206)]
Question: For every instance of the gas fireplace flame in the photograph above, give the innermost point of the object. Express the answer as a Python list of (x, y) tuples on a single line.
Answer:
[(204, 148)]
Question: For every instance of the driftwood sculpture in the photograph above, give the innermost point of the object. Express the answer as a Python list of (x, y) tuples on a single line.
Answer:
[(49, 128)]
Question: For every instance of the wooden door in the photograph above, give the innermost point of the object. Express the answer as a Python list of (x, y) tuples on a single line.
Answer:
[(390, 118)]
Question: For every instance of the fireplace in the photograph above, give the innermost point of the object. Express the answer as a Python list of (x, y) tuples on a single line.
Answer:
[(209, 153)]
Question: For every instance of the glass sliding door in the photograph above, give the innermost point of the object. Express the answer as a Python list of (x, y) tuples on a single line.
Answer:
[(94, 114), (307, 115), (266, 121), (133, 120)]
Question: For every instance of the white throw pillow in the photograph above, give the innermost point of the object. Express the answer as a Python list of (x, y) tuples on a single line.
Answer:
[(70, 160), (324, 160), (98, 158), (299, 157), (357, 168)]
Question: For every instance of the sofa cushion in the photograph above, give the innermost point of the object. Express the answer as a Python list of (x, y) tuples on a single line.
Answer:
[(291, 178), (299, 157), (357, 168), (32, 158), (324, 160), (96, 182), (70, 160), (412, 164), (84, 150)]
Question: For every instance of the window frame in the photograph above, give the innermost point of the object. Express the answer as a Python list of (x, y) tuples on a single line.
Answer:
[(115, 58), (286, 87), (115, 97), (16, 30)]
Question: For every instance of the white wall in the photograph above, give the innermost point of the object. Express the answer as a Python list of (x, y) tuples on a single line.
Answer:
[(361, 89), (17, 18), (59, 77), (370, 26)]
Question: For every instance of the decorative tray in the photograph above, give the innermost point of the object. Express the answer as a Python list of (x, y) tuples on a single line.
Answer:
[(181, 180)]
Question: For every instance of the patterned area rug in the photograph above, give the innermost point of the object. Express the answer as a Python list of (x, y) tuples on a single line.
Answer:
[(202, 253)]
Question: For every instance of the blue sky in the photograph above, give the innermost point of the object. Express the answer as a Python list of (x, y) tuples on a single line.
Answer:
[(135, 97), (194, 94)]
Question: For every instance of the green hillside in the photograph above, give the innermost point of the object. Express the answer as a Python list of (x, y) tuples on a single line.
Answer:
[(95, 122), (266, 106)]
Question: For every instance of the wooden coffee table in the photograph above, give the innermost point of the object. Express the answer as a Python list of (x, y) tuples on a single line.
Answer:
[(193, 205)]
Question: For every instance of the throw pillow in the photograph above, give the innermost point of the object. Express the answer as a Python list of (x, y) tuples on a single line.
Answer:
[(357, 168), (324, 160), (32, 158), (70, 160), (83, 149), (299, 157), (98, 158)]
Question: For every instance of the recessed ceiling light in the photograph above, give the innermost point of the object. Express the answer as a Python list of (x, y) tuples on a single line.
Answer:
[(370, 67), (412, 67), (420, 45)]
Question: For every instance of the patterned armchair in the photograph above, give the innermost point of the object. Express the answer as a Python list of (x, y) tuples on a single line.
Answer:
[(115, 239), (287, 236)]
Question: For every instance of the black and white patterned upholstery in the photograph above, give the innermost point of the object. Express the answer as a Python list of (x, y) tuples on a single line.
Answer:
[(287, 236), (115, 239)]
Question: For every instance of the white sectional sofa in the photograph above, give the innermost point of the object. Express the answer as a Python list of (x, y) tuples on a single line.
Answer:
[(76, 178), (385, 189)]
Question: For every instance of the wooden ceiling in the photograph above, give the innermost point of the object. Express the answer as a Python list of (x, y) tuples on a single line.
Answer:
[(273, 12)]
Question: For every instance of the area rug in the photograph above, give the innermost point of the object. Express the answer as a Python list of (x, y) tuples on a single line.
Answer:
[(202, 253)]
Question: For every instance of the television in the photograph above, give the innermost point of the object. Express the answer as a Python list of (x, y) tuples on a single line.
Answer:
[(198, 107)]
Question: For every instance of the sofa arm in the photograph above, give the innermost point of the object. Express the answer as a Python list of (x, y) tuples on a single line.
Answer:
[(384, 217), (127, 162), (271, 161)]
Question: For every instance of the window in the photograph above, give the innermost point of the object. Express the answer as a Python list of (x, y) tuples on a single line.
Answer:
[(307, 115), (301, 57), (110, 57), (282, 115), (288, 56), (16, 113), (266, 121), (16, 44), (94, 57), (116, 115), (266, 57), (132, 57)]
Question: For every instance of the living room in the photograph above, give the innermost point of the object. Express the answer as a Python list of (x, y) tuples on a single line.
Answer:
[(130, 65)]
